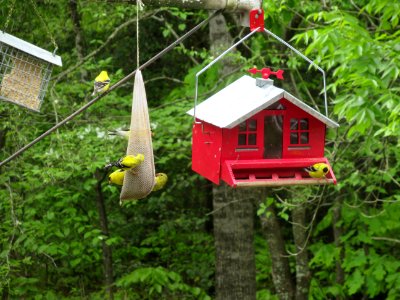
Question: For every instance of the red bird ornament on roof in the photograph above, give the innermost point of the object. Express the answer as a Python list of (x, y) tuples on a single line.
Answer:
[(266, 72)]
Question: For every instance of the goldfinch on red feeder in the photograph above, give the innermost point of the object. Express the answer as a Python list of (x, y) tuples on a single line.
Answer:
[(318, 170)]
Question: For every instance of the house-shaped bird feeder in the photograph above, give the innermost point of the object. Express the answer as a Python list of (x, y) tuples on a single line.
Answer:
[(25, 71), (252, 133)]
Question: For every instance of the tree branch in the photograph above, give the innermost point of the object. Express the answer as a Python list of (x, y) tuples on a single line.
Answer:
[(79, 40), (281, 276), (109, 39), (303, 274), (232, 5)]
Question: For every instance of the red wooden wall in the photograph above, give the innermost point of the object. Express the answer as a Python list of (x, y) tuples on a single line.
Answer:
[(212, 145)]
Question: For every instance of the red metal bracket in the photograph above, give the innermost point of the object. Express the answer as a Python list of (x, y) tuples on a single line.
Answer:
[(257, 19), (266, 72)]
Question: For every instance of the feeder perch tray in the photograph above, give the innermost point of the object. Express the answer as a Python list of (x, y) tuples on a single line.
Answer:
[(273, 172), (25, 71)]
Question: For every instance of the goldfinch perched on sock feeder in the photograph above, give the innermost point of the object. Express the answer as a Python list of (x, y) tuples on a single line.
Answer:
[(161, 179), (127, 162), (122, 133), (117, 177), (101, 83), (318, 170), (118, 132)]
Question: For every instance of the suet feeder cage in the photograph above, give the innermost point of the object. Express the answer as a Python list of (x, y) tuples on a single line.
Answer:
[(25, 71)]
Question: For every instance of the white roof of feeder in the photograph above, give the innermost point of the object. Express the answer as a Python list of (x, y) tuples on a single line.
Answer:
[(244, 98), (30, 48)]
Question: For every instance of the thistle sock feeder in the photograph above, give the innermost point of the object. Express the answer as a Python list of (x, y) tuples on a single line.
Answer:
[(25, 71), (139, 182), (252, 133)]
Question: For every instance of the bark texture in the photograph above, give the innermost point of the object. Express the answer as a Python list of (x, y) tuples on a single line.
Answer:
[(233, 5), (79, 40), (338, 232), (107, 252), (283, 282), (3, 134), (303, 275), (233, 216), (234, 243)]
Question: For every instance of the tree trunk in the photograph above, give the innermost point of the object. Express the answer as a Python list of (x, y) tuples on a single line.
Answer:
[(234, 5), (338, 232), (3, 134), (233, 218), (107, 252), (303, 275), (79, 41), (281, 276), (234, 243)]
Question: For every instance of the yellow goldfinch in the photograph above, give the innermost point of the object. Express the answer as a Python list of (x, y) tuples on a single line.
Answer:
[(117, 177), (123, 133), (101, 83), (318, 170), (160, 181), (117, 132), (127, 162)]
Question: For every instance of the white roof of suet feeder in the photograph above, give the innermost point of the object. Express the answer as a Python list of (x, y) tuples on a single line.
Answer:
[(30, 48), (244, 98)]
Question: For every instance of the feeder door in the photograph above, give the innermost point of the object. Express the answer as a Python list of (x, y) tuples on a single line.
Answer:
[(273, 136)]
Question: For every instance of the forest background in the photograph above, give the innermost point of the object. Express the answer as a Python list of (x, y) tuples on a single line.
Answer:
[(63, 233)]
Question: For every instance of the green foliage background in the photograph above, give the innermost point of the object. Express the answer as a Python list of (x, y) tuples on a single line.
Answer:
[(50, 237)]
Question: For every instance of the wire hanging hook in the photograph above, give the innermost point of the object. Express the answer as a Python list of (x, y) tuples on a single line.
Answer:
[(306, 59), (9, 15), (45, 26), (257, 25), (211, 64), (139, 7)]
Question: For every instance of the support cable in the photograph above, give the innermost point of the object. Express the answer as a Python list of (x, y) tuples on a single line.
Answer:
[(306, 59), (113, 87)]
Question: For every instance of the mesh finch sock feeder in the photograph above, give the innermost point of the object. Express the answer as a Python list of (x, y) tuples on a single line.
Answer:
[(138, 183), (25, 71)]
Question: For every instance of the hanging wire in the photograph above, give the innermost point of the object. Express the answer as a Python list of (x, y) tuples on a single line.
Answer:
[(9, 14), (308, 60), (45, 26), (113, 87), (139, 5), (211, 64)]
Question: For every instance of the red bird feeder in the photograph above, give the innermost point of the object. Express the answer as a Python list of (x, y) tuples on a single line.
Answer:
[(252, 133)]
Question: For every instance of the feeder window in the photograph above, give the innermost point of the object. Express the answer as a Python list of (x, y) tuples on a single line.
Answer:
[(299, 131), (247, 133), (276, 106)]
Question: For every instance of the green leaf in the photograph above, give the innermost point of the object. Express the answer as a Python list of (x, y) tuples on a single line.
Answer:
[(354, 282)]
